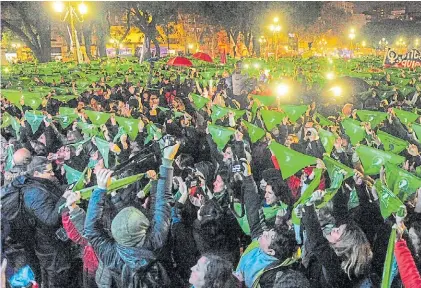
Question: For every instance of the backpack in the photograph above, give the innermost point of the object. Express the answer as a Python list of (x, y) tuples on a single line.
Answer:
[(13, 209)]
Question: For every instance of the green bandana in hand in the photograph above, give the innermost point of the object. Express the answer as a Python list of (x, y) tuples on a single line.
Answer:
[(354, 130), (34, 119), (104, 149), (256, 133), (328, 140), (392, 143), (389, 202), (72, 175), (401, 182), (220, 135), (372, 159), (271, 118), (290, 161)]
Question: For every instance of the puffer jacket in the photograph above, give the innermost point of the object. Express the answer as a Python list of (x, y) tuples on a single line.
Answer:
[(134, 267), (42, 200)]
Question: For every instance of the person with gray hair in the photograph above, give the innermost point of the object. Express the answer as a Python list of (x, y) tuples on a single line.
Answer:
[(21, 158)]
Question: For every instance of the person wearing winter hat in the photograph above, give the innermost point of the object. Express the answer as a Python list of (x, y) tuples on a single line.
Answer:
[(133, 251)]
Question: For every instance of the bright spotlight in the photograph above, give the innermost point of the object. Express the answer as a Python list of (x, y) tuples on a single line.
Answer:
[(282, 89), (58, 6), (337, 91), (246, 66), (330, 75), (256, 65), (83, 9)]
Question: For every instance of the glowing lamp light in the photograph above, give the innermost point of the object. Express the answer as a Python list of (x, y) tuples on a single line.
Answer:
[(337, 91), (58, 6), (282, 89), (83, 9), (190, 46), (256, 65), (330, 61), (276, 19), (246, 66), (6, 70), (330, 75)]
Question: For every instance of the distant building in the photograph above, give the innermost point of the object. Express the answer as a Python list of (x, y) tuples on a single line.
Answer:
[(394, 11), (346, 6)]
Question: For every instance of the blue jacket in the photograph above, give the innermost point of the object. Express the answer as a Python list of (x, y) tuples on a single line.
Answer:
[(134, 267)]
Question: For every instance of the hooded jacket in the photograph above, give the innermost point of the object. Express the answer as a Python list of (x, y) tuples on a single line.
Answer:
[(134, 267)]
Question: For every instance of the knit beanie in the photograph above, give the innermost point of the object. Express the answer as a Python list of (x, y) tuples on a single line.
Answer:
[(129, 227)]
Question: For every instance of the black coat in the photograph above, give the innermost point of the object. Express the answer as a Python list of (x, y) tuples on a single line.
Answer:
[(42, 200)]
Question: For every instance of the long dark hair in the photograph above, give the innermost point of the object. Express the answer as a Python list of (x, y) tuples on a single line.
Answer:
[(218, 273)]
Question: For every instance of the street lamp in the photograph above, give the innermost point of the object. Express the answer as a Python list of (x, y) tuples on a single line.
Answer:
[(60, 7), (417, 42), (262, 41), (275, 29)]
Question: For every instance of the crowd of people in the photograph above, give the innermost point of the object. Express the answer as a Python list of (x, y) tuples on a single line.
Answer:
[(211, 216)]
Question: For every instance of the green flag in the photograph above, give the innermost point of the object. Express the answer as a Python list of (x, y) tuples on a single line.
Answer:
[(417, 130), (88, 129), (372, 159), (406, 117), (80, 182), (66, 119), (12, 95), (65, 99), (373, 117), (322, 120), (265, 100), (388, 261), (290, 161), (389, 202), (98, 118), (67, 111), (305, 196), (6, 120), (328, 140), (401, 182), (72, 175), (104, 148), (294, 112), (152, 131), (115, 185), (256, 133), (220, 135), (218, 112), (353, 201), (34, 120), (354, 130), (199, 101), (333, 165), (9, 159), (335, 183), (32, 99), (130, 125), (271, 118), (392, 143), (16, 126)]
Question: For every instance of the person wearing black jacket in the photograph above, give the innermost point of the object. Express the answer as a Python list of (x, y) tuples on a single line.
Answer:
[(42, 199), (341, 258)]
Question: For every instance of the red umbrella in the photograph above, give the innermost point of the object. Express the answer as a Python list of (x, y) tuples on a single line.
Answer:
[(203, 56), (179, 61)]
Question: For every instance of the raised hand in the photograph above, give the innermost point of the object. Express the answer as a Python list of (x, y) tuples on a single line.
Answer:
[(102, 178)]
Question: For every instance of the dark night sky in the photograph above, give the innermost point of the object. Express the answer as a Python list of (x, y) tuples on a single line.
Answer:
[(361, 6)]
